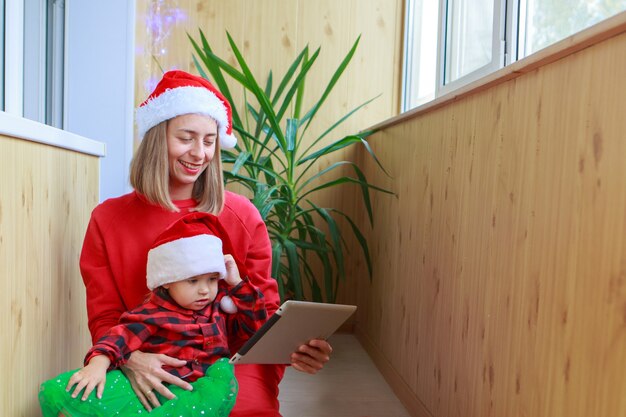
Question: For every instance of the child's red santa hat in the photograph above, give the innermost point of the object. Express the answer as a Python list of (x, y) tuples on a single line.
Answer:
[(193, 245), (180, 93)]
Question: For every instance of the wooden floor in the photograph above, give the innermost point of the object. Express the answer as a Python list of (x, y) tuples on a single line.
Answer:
[(348, 386)]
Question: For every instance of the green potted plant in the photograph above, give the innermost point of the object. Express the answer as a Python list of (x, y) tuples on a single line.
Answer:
[(274, 162)]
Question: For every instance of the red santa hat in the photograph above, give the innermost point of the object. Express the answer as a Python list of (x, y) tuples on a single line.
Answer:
[(180, 93), (193, 245)]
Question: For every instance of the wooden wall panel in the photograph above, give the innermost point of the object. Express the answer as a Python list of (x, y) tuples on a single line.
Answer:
[(46, 198), (499, 285)]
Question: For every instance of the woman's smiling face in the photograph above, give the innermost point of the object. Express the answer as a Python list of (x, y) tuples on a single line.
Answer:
[(191, 145)]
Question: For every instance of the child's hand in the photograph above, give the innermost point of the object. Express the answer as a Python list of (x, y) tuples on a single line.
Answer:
[(232, 272), (91, 376)]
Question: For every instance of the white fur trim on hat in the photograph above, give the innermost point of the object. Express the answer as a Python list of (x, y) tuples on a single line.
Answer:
[(184, 258), (185, 100)]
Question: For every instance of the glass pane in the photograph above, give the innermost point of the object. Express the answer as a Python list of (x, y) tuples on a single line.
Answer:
[(55, 56), (44, 31), (421, 60), (469, 37), (34, 60), (544, 22)]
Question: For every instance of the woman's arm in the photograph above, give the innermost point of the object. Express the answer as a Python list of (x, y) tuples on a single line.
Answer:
[(252, 246), (105, 304), (249, 236), (311, 357)]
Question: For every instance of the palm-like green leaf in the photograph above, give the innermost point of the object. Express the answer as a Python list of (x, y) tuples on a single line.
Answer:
[(294, 268), (214, 69), (361, 239), (298, 83), (333, 80), (292, 69), (335, 236), (277, 250), (338, 123)]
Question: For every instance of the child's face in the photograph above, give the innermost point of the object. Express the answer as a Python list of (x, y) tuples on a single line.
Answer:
[(196, 292)]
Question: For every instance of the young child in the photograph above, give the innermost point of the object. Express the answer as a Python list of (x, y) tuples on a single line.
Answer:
[(183, 318)]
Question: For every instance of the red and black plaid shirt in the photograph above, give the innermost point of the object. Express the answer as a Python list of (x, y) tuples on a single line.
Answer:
[(199, 337)]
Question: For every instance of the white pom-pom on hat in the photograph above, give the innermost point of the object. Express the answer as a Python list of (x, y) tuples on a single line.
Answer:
[(228, 305)]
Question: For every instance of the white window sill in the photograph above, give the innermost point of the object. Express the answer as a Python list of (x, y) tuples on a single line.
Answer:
[(19, 127)]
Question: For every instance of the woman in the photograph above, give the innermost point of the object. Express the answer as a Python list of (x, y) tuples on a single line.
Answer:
[(175, 170)]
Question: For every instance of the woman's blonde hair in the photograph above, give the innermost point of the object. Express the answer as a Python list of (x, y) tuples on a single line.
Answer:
[(150, 176)]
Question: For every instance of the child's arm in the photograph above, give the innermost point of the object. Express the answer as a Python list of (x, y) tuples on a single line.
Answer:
[(93, 375), (126, 337), (250, 311), (232, 272)]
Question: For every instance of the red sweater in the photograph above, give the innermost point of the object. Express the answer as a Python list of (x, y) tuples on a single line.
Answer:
[(113, 266)]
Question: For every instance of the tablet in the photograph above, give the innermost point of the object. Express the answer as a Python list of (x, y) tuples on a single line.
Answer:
[(293, 324)]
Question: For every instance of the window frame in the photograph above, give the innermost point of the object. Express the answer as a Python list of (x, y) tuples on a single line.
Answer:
[(56, 45), (511, 32), (407, 62), (14, 58), (34, 76), (497, 50), (34, 60)]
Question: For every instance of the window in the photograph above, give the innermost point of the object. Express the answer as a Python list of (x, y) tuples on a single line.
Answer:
[(420, 65), (450, 43), (44, 28), (472, 39), (33, 62)]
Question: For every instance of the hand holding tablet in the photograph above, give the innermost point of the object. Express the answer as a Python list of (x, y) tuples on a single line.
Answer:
[(294, 323)]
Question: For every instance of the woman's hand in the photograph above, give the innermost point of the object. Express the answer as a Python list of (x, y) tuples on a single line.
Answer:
[(146, 375), (93, 375), (310, 358)]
